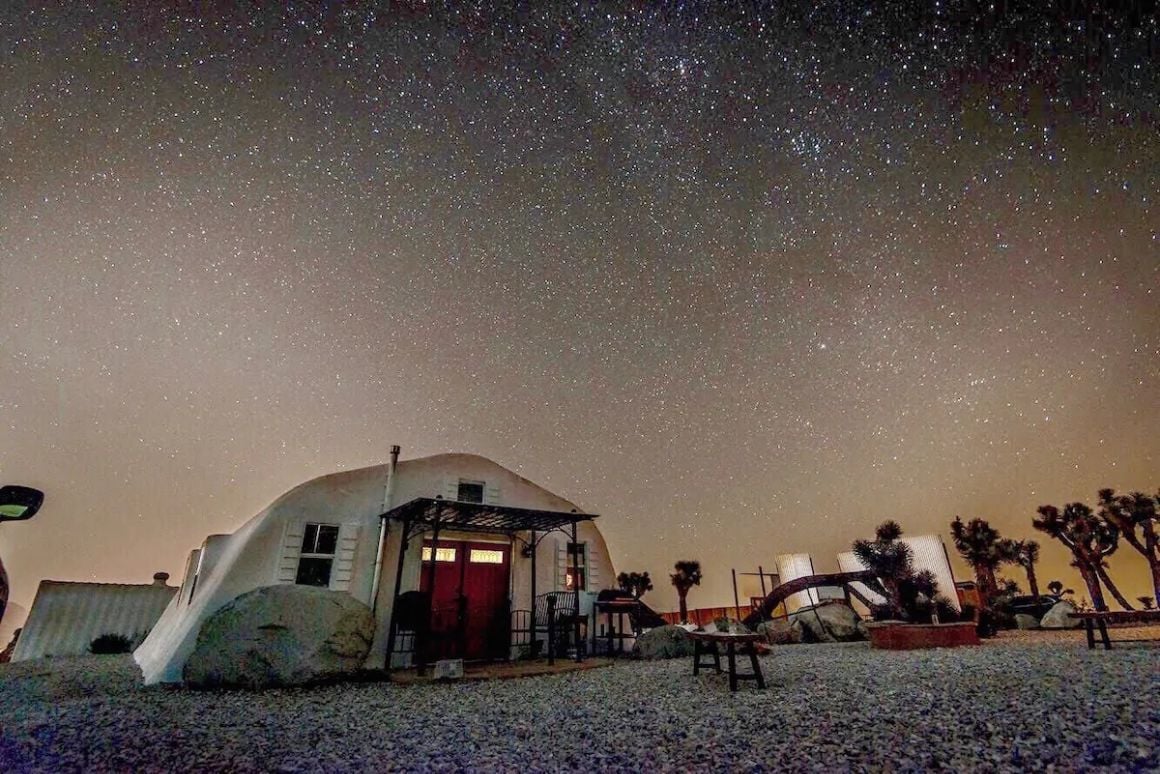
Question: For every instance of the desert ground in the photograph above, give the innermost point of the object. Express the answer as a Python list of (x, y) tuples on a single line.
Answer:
[(1038, 700)]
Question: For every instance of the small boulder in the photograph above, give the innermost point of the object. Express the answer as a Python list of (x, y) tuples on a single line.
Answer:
[(1057, 617), (831, 621), (801, 632), (281, 635), (1025, 621), (663, 642), (779, 632)]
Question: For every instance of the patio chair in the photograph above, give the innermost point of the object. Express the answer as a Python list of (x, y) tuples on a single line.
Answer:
[(554, 615)]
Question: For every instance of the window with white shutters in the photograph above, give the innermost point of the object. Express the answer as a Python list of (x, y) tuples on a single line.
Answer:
[(576, 567), (316, 556)]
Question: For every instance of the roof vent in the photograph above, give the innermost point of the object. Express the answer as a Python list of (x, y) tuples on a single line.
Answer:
[(159, 578)]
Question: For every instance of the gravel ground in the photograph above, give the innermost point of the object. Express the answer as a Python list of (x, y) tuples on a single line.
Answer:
[(1023, 701)]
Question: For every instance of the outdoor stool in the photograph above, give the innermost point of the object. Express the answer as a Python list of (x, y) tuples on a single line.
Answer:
[(706, 643)]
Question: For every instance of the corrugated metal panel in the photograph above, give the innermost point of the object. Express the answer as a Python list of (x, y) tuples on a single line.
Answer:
[(66, 617), (791, 567), (929, 554), (847, 562)]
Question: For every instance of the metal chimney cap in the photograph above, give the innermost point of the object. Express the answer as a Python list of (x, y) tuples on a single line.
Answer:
[(159, 578)]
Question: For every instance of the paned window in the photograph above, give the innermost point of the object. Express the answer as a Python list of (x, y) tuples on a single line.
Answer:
[(470, 492), (442, 554), (576, 576), (485, 556), (316, 560)]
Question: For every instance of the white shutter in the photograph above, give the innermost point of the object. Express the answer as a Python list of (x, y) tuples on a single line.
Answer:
[(491, 494), (287, 570), (451, 488), (592, 560), (340, 573), (561, 564)]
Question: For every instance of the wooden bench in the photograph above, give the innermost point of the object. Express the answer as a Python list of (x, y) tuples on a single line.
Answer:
[(1101, 620), (707, 642)]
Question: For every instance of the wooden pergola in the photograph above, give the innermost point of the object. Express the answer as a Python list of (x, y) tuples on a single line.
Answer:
[(425, 515)]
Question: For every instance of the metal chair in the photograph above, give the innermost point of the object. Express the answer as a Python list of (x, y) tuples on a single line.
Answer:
[(554, 615)]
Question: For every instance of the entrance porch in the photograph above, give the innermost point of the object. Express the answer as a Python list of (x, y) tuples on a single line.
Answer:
[(467, 604)]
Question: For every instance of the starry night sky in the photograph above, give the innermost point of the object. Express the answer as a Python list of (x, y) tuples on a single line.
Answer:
[(742, 282)]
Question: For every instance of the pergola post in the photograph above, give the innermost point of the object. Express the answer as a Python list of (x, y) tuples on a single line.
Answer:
[(736, 601), (461, 607), (576, 591), (421, 656), (405, 538), (532, 604)]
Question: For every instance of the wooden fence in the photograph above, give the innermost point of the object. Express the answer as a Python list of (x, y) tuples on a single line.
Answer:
[(704, 615)]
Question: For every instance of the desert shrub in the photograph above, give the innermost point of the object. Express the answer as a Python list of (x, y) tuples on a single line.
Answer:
[(986, 626), (946, 613), (110, 643), (909, 593), (1002, 615)]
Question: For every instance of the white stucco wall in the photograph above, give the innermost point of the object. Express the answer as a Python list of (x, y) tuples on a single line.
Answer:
[(263, 551)]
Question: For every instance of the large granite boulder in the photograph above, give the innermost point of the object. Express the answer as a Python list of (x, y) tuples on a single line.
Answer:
[(281, 635), (831, 621), (1057, 617), (663, 642), (779, 632), (1025, 621)]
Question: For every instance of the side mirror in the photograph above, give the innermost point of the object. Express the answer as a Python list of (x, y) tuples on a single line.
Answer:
[(18, 503)]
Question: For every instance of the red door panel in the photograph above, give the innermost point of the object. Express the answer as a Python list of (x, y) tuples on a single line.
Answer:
[(479, 573), (486, 585)]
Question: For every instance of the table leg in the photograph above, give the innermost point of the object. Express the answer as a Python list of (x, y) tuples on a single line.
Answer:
[(756, 666), (1091, 638), (732, 666), (1104, 634), (696, 657)]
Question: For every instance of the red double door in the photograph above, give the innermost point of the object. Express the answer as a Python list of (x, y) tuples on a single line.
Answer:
[(471, 591)]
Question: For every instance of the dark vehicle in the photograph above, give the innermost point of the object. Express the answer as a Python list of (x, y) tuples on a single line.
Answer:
[(1036, 606), (17, 503)]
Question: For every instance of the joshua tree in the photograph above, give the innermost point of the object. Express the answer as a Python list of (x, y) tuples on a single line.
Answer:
[(891, 560), (1147, 602), (1135, 517), (635, 583), (1025, 553), (979, 543), (1089, 539), (686, 575)]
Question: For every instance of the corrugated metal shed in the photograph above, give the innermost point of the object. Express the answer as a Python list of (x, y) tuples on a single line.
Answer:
[(66, 616)]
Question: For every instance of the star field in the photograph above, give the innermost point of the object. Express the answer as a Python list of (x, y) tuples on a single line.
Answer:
[(742, 282)]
